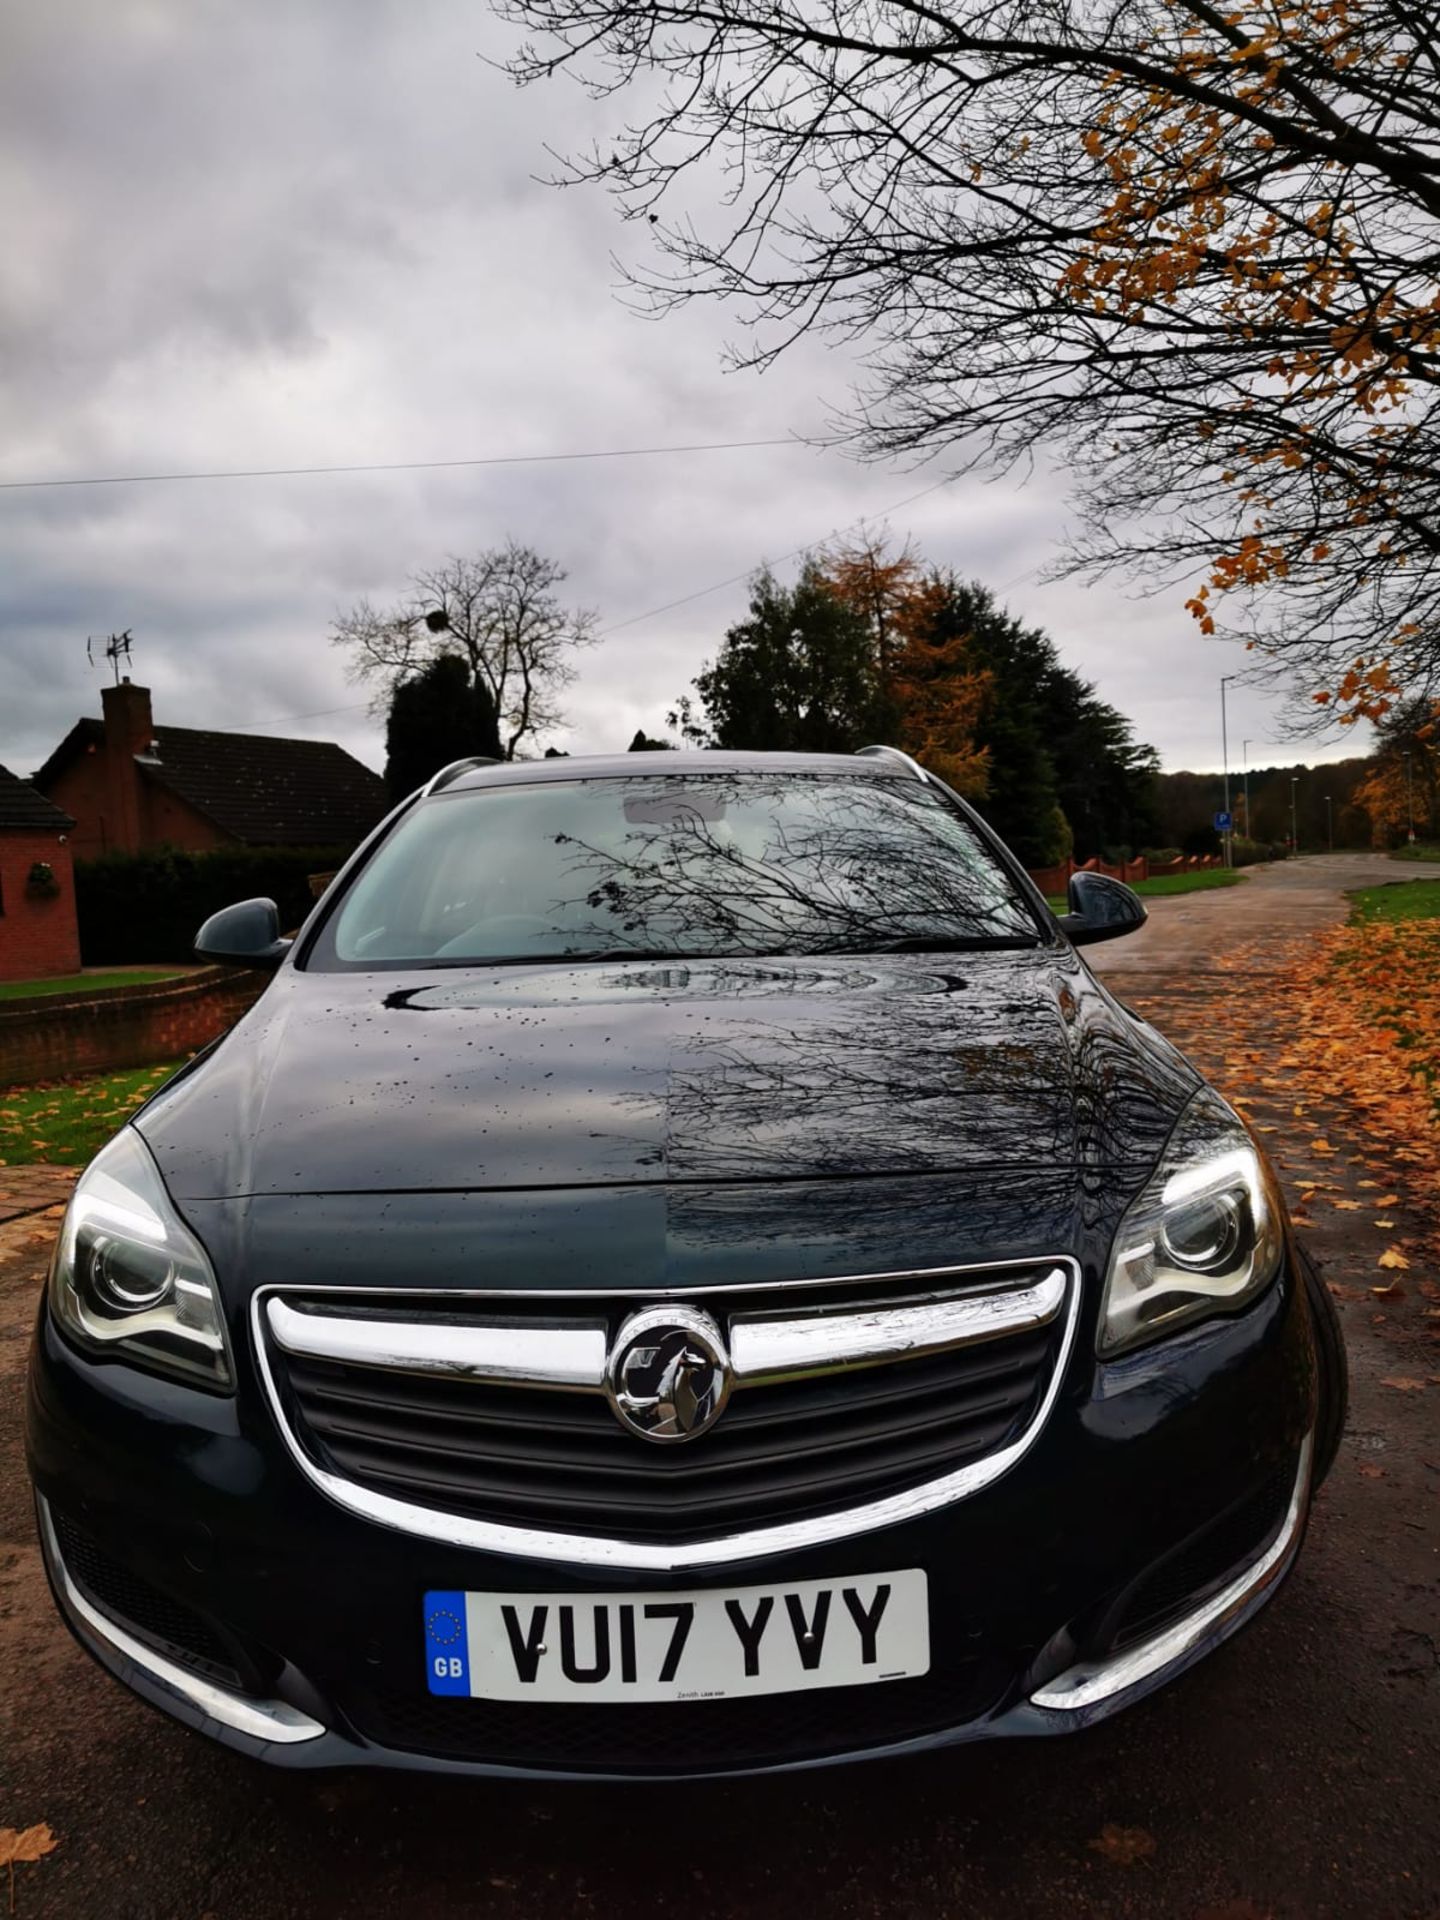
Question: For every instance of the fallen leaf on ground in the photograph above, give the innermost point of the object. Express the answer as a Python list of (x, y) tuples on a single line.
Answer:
[(1394, 1259), (1367, 1472), (1346, 1206), (1123, 1845), (1392, 1291), (28, 1843), (1403, 1383), (24, 1844)]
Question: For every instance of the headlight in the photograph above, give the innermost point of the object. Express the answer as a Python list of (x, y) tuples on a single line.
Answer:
[(1203, 1237), (129, 1278)]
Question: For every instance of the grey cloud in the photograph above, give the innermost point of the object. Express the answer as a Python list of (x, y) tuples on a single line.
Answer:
[(274, 235)]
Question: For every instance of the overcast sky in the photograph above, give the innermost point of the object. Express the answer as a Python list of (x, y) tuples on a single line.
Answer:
[(263, 234)]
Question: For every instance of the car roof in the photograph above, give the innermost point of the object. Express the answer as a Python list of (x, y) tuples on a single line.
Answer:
[(615, 766)]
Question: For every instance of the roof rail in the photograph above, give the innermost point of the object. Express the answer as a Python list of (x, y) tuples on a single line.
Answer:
[(893, 753), (439, 781)]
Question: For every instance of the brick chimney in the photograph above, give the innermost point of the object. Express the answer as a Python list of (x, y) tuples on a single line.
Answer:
[(129, 729)]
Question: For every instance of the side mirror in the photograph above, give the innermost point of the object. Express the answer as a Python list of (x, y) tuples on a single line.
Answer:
[(1100, 909), (245, 935)]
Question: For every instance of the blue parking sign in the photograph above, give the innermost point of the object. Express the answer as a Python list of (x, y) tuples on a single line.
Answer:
[(1222, 823)]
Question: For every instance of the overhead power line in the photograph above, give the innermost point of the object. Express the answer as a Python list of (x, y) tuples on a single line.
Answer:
[(288, 719), (684, 601), (398, 466), (701, 592)]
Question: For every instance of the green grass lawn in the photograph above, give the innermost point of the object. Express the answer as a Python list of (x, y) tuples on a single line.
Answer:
[(66, 1122), (1417, 852), (1202, 880), (84, 982), (1400, 900)]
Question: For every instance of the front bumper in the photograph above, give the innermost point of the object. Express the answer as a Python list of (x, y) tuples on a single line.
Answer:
[(1178, 1476), (274, 1730)]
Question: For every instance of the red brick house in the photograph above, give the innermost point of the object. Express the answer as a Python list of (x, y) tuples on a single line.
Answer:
[(131, 785), (38, 934)]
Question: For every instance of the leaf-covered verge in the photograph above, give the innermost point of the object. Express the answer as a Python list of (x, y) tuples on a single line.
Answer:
[(1368, 1024), (65, 1122)]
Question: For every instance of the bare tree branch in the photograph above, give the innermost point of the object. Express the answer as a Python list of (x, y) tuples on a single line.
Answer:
[(1192, 251), (501, 615)]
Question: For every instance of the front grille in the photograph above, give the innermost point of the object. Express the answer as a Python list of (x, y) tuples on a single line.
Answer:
[(132, 1602), (559, 1460), (705, 1736), (1186, 1578)]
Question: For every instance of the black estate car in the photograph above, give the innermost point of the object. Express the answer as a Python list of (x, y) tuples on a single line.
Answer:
[(683, 1269)]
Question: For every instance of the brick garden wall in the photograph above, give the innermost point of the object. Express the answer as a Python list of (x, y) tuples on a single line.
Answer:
[(59, 1036)]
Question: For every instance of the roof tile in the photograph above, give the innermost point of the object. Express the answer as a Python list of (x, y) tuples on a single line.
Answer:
[(23, 805), (303, 793)]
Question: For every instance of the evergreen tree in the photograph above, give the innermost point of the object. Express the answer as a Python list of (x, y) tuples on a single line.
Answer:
[(865, 647), (797, 675), (1020, 799), (437, 715), (1106, 781), (1064, 769)]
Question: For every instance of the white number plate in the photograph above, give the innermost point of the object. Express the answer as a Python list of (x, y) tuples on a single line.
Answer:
[(710, 1644)]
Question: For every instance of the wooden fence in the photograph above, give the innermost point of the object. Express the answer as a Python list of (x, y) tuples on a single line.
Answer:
[(1053, 881)]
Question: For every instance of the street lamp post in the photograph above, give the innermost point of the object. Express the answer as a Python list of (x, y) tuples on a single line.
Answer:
[(1329, 825), (1409, 796), (1294, 816), (1245, 762), (1225, 679)]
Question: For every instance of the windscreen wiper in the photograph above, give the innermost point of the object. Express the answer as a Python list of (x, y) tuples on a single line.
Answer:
[(958, 943)]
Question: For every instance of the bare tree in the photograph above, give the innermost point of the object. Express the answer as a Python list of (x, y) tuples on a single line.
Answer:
[(1192, 252), (499, 613)]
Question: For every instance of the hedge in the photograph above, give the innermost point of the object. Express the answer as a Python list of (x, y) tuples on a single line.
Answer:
[(149, 906)]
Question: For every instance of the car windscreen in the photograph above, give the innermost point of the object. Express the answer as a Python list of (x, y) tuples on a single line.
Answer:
[(684, 866)]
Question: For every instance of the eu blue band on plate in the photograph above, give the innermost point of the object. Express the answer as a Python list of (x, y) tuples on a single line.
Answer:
[(447, 1648)]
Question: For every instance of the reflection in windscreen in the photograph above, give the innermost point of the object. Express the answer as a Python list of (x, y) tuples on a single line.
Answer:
[(684, 866)]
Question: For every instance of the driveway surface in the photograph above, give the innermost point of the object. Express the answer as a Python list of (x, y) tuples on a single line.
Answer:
[(1247, 925), (1296, 1774)]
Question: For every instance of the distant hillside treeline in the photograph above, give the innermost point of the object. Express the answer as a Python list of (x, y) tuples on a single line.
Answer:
[(1187, 803)]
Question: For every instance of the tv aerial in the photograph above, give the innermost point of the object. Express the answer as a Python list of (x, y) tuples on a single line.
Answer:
[(115, 649)]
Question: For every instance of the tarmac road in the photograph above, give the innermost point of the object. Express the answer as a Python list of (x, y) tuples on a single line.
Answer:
[(1293, 1775), (1192, 933)]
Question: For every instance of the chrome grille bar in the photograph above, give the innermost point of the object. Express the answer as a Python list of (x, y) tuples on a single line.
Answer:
[(525, 1356), (771, 1347), (765, 1348)]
